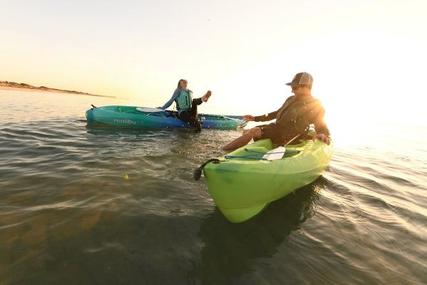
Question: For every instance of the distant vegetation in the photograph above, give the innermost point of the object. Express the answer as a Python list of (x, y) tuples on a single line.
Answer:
[(43, 88)]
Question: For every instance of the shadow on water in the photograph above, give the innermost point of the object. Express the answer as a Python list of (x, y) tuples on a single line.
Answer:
[(104, 130), (186, 144), (231, 250), (158, 134)]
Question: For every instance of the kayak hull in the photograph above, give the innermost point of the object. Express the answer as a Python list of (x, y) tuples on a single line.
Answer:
[(242, 186), (131, 117)]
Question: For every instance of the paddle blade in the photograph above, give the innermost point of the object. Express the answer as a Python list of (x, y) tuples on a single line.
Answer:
[(275, 154), (149, 110)]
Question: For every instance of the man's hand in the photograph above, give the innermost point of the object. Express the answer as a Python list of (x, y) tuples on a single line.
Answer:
[(248, 118), (324, 138)]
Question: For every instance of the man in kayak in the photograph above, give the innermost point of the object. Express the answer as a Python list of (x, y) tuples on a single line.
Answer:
[(292, 119), (186, 105)]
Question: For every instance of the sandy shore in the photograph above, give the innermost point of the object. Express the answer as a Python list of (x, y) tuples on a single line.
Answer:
[(49, 90)]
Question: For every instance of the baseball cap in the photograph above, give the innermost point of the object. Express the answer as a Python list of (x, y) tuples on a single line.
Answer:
[(302, 78)]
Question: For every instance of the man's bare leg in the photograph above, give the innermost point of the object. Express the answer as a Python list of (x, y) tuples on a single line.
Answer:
[(244, 139)]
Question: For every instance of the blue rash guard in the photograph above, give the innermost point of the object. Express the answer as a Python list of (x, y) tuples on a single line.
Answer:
[(172, 99)]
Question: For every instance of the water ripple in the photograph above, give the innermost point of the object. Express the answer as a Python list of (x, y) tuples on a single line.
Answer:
[(75, 199)]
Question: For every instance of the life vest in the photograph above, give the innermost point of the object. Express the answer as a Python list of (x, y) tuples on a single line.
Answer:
[(184, 100)]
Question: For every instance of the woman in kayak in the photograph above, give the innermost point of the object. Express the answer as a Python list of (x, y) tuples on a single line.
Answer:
[(186, 105)]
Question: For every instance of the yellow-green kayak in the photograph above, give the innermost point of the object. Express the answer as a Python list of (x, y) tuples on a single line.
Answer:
[(243, 183)]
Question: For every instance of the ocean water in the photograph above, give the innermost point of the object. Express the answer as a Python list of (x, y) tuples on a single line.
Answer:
[(103, 206)]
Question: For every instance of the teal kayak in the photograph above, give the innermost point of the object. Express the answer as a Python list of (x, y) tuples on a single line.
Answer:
[(150, 118), (243, 182)]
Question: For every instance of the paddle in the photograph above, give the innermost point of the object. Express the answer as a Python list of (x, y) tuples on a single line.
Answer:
[(279, 152), (149, 110), (275, 154)]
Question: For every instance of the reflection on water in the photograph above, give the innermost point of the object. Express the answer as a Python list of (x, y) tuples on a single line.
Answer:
[(232, 250), (84, 206)]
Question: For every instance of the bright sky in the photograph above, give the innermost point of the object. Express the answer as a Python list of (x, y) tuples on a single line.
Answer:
[(367, 57)]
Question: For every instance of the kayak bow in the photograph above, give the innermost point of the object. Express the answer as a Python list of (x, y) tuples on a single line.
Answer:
[(242, 185)]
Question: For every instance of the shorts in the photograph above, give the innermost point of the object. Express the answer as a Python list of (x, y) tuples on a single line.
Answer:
[(277, 135)]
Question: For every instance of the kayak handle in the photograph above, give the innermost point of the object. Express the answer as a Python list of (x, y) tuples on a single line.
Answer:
[(198, 171)]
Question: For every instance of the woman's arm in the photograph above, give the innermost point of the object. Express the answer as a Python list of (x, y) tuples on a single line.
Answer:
[(168, 103)]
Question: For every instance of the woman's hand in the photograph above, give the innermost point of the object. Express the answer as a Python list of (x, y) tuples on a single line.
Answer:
[(248, 118), (324, 138), (205, 97)]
